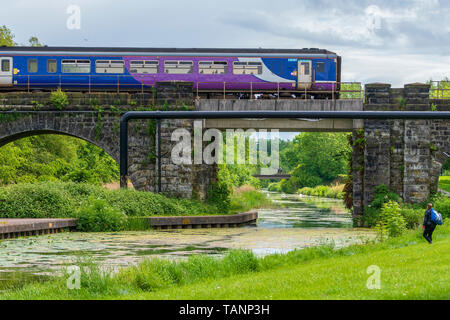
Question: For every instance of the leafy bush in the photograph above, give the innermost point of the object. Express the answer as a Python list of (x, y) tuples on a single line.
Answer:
[(382, 195), (413, 216), (59, 99), (411, 213), (98, 216), (141, 204), (246, 198), (391, 222), (444, 183), (219, 194), (370, 217), (288, 186), (80, 191), (81, 175), (446, 166), (335, 191), (274, 187), (302, 177), (237, 175), (442, 204), (40, 200)]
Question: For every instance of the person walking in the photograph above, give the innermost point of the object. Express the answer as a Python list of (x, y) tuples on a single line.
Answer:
[(428, 224)]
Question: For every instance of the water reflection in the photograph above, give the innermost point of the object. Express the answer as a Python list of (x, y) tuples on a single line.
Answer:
[(305, 212)]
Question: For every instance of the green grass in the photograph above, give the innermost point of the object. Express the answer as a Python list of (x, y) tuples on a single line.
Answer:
[(247, 198), (335, 191), (417, 272), (444, 183), (410, 269)]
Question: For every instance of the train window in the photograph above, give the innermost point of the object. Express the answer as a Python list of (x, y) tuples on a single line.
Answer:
[(240, 67), (320, 67), (32, 66), (178, 67), (6, 67), (305, 66), (51, 66), (76, 66), (212, 67), (109, 66), (144, 66)]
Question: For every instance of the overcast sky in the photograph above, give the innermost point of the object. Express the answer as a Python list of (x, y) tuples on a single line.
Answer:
[(380, 41)]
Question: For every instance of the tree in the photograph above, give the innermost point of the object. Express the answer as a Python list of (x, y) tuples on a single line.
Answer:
[(317, 158), (288, 156), (54, 157), (34, 42), (6, 37), (446, 166), (440, 89)]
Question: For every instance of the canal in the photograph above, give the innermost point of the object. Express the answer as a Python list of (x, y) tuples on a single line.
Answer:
[(295, 222)]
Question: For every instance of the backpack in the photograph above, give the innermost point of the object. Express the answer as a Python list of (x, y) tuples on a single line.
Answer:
[(436, 217)]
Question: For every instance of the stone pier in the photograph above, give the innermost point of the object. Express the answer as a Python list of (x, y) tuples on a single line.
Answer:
[(405, 155)]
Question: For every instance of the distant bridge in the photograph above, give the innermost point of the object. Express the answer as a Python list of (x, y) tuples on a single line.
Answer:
[(272, 176)]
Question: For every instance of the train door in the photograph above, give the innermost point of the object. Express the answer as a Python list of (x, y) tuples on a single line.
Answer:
[(304, 74), (6, 72)]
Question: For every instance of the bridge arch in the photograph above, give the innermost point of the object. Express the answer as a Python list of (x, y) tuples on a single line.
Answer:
[(100, 129), (30, 133)]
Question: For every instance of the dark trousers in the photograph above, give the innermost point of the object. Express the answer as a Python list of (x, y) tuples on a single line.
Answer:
[(428, 232)]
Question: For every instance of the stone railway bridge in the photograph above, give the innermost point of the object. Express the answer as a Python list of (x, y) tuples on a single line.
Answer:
[(405, 155)]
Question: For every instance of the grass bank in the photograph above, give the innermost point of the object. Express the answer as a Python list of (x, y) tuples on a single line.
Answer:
[(444, 183), (246, 198), (335, 191), (410, 269)]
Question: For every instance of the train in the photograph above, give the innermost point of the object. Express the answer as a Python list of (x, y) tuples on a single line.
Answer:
[(309, 71)]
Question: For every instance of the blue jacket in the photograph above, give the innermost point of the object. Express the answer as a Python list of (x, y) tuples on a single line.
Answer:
[(427, 222)]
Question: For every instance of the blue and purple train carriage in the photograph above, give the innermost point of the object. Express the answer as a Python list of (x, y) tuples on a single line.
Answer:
[(314, 72)]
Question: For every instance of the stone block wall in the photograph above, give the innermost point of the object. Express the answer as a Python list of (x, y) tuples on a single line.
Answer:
[(175, 93), (170, 93), (405, 155), (182, 180), (358, 173), (417, 142)]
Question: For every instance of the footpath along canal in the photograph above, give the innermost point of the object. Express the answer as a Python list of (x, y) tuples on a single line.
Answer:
[(297, 222)]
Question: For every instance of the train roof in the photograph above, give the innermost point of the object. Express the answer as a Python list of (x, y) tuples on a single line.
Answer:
[(309, 51)]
